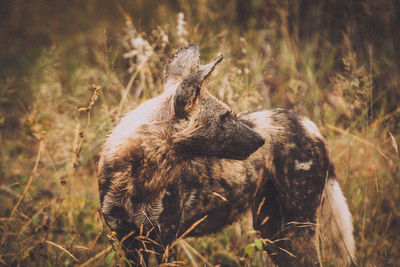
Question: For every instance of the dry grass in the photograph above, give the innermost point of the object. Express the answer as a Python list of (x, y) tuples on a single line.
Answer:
[(49, 203)]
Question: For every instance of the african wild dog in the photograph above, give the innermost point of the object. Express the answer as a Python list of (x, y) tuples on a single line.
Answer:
[(183, 162)]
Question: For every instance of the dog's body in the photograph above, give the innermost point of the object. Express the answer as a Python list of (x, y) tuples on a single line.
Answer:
[(184, 164)]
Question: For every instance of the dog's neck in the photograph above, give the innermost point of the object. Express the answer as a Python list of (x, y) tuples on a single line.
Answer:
[(161, 165)]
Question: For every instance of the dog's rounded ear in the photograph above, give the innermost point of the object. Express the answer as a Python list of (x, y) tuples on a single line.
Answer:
[(183, 63), (189, 89), (184, 75)]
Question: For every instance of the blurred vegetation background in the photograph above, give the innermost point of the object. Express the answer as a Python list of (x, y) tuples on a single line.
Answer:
[(70, 69)]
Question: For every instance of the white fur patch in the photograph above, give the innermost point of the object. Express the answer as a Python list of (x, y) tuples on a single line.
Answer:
[(131, 122), (334, 215), (264, 123), (106, 208), (189, 200), (146, 213), (310, 127), (304, 166), (171, 85)]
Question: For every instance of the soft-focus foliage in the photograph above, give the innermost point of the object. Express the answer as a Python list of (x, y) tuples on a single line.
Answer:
[(70, 69)]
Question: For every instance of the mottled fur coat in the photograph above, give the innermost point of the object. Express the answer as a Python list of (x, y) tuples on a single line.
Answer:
[(184, 163)]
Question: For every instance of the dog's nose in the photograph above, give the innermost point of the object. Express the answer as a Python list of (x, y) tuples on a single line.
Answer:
[(260, 140)]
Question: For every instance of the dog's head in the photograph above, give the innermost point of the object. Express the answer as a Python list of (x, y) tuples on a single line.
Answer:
[(206, 126)]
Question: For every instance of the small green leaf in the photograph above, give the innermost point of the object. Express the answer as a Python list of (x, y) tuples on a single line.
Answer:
[(250, 249), (110, 256), (259, 244)]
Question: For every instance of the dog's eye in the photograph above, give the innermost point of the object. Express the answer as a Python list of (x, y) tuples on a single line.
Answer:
[(225, 115)]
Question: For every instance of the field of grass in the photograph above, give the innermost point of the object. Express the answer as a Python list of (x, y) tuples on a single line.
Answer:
[(69, 71)]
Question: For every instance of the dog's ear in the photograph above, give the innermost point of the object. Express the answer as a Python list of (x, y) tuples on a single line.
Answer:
[(188, 90), (205, 70), (183, 63)]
